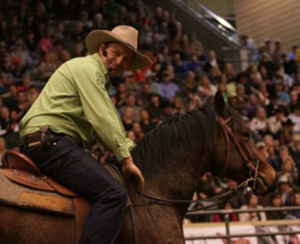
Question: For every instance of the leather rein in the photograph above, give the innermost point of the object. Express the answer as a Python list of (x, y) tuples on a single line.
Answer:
[(253, 173)]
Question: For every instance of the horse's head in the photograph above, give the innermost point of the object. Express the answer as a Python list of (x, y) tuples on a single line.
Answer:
[(235, 153)]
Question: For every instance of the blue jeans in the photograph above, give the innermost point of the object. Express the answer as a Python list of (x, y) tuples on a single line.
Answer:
[(71, 166)]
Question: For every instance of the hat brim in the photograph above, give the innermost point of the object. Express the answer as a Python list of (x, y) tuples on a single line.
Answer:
[(96, 37)]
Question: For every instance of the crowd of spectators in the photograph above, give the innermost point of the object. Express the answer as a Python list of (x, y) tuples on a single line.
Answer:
[(37, 36)]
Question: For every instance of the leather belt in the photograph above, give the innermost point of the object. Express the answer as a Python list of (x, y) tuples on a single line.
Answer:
[(31, 139), (43, 137)]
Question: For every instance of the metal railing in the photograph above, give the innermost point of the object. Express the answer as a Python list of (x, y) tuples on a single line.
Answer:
[(215, 21), (228, 236)]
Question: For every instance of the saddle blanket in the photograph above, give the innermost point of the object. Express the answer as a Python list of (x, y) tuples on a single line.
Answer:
[(37, 196), (21, 196)]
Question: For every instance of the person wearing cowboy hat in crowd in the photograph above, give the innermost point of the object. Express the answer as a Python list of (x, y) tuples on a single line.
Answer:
[(75, 104)]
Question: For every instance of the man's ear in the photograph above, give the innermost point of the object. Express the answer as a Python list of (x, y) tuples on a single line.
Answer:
[(101, 48)]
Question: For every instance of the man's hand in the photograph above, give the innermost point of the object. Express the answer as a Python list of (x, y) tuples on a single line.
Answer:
[(129, 169)]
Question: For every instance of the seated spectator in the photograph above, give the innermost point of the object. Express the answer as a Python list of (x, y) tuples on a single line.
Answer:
[(230, 72), (286, 135), (168, 111), (25, 83), (17, 70), (168, 87), (179, 65), (221, 217), (275, 122), (263, 94), (295, 118), (205, 88), (155, 111), (295, 150), (22, 105), (127, 118), (194, 45), (214, 75), (179, 106), (286, 191), (10, 98), (138, 132), (271, 148), (151, 80), (136, 109), (281, 92), (193, 64), (143, 97), (3, 83), (129, 79), (252, 203), (259, 124), (253, 73), (266, 62), (294, 100), (121, 95), (145, 122), (21, 54), (287, 80), (49, 64), (296, 213), (276, 203), (32, 94), (212, 61), (288, 170), (251, 106)]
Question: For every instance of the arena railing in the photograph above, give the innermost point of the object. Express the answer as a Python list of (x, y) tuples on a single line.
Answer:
[(227, 224)]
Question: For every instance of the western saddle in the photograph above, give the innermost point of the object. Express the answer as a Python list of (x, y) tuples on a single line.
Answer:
[(20, 169)]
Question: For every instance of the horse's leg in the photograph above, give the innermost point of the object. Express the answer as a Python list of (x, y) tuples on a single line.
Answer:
[(18, 226)]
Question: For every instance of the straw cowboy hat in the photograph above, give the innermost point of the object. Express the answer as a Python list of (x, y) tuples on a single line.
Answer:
[(124, 34)]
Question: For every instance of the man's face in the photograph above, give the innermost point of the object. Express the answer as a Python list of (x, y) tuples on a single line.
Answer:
[(117, 59)]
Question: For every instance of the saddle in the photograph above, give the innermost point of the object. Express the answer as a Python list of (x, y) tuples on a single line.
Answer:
[(25, 186)]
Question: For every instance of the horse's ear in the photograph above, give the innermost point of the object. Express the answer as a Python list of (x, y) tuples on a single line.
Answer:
[(220, 105)]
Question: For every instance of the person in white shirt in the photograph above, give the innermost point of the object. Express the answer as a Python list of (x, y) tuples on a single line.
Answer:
[(295, 117), (252, 203), (275, 122)]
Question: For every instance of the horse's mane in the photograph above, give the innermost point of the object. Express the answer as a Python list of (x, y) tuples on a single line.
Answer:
[(173, 140)]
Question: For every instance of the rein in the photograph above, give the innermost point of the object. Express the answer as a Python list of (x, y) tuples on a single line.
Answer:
[(220, 198), (252, 169)]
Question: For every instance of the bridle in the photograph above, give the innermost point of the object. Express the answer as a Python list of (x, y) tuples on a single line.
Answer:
[(253, 170), (253, 174)]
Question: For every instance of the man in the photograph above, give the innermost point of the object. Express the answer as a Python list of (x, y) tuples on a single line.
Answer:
[(73, 105)]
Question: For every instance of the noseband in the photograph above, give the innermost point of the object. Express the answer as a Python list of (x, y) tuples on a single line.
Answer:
[(253, 170)]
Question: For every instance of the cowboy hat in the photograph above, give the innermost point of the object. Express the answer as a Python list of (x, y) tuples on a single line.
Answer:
[(124, 34)]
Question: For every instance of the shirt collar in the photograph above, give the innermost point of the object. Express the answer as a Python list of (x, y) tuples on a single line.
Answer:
[(103, 70)]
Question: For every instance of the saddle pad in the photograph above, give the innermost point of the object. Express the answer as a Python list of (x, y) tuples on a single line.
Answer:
[(20, 196)]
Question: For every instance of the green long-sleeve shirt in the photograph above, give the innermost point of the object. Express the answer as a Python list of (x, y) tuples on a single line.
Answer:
[(75, 101)]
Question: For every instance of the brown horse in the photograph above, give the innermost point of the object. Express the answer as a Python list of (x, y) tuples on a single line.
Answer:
[(212, 138)]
